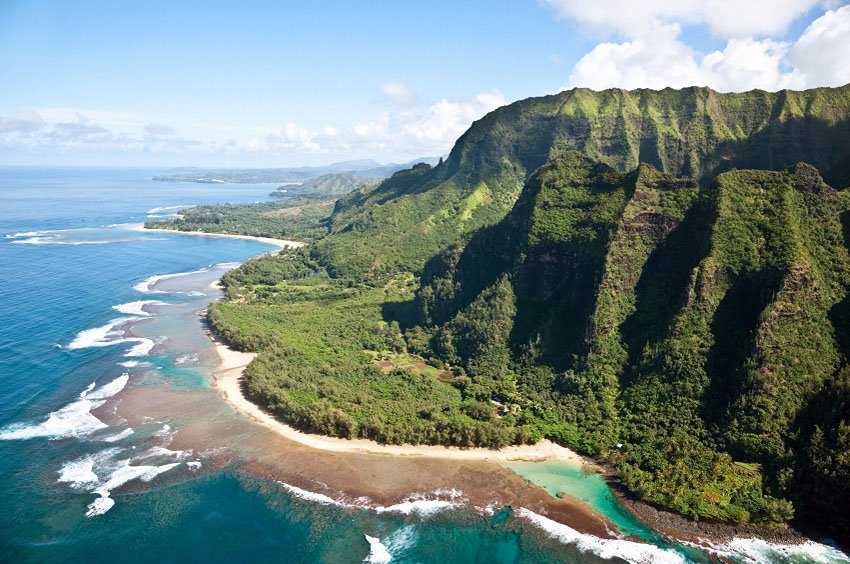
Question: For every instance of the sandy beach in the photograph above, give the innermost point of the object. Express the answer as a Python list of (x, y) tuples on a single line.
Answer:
[(227, 381), (282, 243)]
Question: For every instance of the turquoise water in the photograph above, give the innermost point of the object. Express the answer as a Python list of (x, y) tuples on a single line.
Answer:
[(71, 364), (577, 481)]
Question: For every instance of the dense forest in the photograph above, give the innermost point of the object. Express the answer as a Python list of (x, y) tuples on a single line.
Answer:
[(653, 278)]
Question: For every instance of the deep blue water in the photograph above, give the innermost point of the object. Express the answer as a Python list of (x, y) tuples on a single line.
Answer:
[(68, 256)]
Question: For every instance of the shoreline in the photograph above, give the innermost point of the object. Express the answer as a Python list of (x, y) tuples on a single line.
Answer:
[(673, 527), (228, 381), (282, 243)]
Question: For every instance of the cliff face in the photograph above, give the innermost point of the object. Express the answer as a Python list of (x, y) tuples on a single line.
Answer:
[(701, 324), (693, 132)]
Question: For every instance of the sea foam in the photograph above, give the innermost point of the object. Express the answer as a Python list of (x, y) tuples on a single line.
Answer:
[(24, 234), (378, 553), (167, 208), (72, 420), (57, 241), (121, 473), (109, 334), (100, 506), (146, 285), (630, 551), (101, 473), (80, 472), (321, 499), (753, 550), (136, 308), (422, 504)]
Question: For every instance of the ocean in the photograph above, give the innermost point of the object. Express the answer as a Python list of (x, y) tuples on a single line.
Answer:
[(114, 447)]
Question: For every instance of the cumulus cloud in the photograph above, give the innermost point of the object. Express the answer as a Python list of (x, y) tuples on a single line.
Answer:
[(655, 55), (397, 92), (822, 54), (403, 132), (431, 129), (725, 18), (661, 59), (291, 136)]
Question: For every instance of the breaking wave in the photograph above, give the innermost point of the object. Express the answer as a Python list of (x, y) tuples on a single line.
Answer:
[(753, 550), (112, 334), (168, 208), (72, 420), (146, 285), (630, 551), (378, 553), (137, 307), (422, 504), (101, 473)]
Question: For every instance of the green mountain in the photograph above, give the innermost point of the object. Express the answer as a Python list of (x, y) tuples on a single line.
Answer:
[(695, 326), (694, 132), (326, 186), (336, 184), (653, 278)]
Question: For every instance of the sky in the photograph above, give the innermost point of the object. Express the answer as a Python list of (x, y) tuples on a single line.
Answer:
[(287, 83)]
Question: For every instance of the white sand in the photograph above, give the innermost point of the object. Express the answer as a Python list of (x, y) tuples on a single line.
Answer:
[(227, 380), (282, 243)]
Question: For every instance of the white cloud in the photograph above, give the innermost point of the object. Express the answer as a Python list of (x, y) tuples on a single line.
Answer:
[(397, 92), (395, 134), (429, 130), (660, 58), (159, 129), (746, 64), (822, 54), (653, 61), (21, 123), (71, 131), (725, 18)]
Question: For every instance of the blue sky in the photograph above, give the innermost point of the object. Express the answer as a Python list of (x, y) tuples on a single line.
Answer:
[(287, 83)]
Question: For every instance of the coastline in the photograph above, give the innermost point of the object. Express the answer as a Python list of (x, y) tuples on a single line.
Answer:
[(672, 526), (228, 382), (282, 243)]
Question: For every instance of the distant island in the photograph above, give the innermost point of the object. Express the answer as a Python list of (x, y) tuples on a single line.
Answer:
[(656, 279), (367, 169)]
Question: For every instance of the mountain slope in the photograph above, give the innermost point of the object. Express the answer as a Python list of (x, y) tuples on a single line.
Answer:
[(691, 327), (694, 132)]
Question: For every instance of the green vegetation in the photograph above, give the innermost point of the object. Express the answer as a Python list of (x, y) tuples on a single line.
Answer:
[(590, 267), (297, 219), (691, 328), (694, 132), (327, 186), (329, 363)]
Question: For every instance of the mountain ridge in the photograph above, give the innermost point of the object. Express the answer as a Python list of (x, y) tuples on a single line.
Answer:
[(483, 175)]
